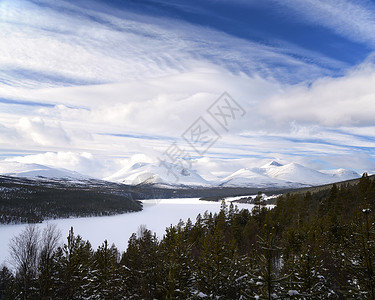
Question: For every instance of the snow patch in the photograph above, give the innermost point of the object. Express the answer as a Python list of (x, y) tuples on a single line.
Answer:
[(158, 173), (35, 171)]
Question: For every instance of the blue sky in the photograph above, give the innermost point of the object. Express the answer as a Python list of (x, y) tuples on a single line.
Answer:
[(105, 80), (266, 22)]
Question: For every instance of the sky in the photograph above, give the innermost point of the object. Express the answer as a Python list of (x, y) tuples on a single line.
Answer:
[(92, 85)]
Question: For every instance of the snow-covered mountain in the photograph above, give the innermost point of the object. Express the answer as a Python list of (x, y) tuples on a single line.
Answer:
[(254, 178), (292, 175), (271, 165), (35, 171), (341, 174), (157, 173), (297, 173), (270, 175)]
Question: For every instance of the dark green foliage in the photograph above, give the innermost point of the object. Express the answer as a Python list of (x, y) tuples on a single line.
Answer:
[(106, 277), (7, 284), (310, 246), (73, 268), (142, 266), (177, 270), (32, 201)]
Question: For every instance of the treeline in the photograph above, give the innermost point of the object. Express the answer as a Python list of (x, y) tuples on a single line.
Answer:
[(24, 200), (310, 246), (34, 201)]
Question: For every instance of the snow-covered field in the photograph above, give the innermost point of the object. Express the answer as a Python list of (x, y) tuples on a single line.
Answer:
[(156, 215)]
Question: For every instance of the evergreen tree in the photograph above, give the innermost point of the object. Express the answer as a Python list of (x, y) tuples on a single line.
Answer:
[(106, 280), (74, 265), (308, 276), (8, 289), (220, 273), (177, 264), (360, 257), (266, 278), (259, 209), (142, 266)]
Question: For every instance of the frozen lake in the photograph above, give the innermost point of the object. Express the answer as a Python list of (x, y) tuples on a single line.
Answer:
[(156, 215)]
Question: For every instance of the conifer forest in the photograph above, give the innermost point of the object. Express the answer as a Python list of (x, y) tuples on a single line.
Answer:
[(311, 245)]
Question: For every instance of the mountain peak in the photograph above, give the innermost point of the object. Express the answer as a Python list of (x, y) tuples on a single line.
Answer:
[(272, 164), (31, 170), (155, 173)]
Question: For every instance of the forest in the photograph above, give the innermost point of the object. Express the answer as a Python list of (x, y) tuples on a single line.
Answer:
[(32, 201), (312, 245), (25, 200)]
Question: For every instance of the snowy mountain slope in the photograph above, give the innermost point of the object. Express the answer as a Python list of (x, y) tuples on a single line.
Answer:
[(293, 175), (341, 174), (271, 165), (157, 173), (297, 173), (270, 175), (34, 171), (268, 166), (251, 178)]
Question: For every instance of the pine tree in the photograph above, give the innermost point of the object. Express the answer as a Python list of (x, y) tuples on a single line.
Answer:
[(364, 185), (74, 265), (8, 289), (177, 264), (259, 209), (308, 276), (106, 280), (266, 278), (141, 264), (220, 273), (360, 258)]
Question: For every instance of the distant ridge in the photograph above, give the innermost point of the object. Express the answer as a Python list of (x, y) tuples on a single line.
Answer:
[(272, 175), (314, 189), (292, 175)]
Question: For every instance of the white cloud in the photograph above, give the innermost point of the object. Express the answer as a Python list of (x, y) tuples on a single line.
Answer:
[(37, 130), (360, 161), (45, 45), (115, 121), (84, 163), (163, 106), (343, 101), (166, 76)]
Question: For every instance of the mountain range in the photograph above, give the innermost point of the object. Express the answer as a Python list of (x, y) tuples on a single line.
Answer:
[(270, 175), (35, 171)]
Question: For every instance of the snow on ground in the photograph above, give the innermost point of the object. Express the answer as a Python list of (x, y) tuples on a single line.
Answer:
[(264, 196), (272, 174), (156, 215), (158, 173), (292, 175), (17, 169)]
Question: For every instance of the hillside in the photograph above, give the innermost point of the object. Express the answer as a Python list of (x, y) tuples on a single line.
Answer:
[(36, 199), (325, 241), (292, 175), (325, 187), (30, 201), (35, 171)]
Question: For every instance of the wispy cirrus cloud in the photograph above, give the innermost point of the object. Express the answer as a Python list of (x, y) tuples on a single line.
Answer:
[(50, 44), (78, 78), (354, 20)]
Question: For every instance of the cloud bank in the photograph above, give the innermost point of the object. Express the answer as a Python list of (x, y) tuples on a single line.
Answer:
[(86, 88)]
